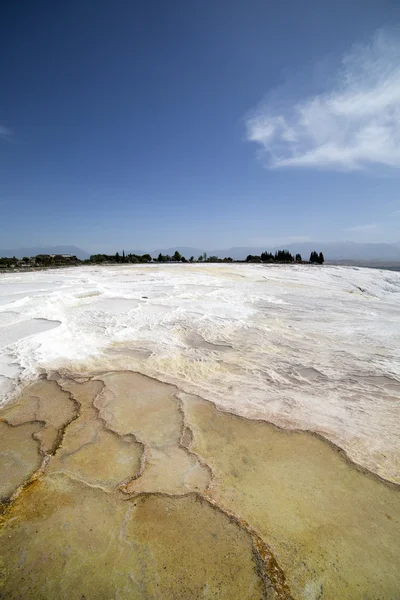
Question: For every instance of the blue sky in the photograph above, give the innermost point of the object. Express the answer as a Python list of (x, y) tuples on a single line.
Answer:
[(212, 124)]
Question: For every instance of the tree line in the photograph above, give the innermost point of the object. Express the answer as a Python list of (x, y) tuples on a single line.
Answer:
[(177, 257), (120, 258), (40, 260), (284, 256), (46, 260), (280, 256), (146, 258)]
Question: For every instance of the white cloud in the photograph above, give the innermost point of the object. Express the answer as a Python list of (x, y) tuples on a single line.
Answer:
[(4, 132), (352, 126), (396, 213), (360, 228)]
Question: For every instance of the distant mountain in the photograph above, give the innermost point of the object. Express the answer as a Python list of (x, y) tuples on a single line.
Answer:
[(331, 250), (237, 253), (137, 252), (186, 251), (348, 250), (20, 252)]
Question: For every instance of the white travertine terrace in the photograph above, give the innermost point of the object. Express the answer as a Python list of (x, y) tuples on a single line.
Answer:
[(303, 347)]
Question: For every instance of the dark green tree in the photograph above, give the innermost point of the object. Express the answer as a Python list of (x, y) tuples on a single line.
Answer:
[(177, 256), (252, 258), (321, 259), (298, 258), (267, 257), (283, 256)]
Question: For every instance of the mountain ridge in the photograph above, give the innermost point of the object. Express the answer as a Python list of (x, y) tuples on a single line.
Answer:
[(35, 250), (331, 250)]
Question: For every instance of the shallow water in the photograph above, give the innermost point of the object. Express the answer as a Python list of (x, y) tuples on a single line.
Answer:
[(334, 529), (92, 546), (78, 521), (151, 492)]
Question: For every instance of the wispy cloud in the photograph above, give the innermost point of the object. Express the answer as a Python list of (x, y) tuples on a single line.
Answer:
[(5, 133), (395, 213), (353, 125), (360, 228)]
